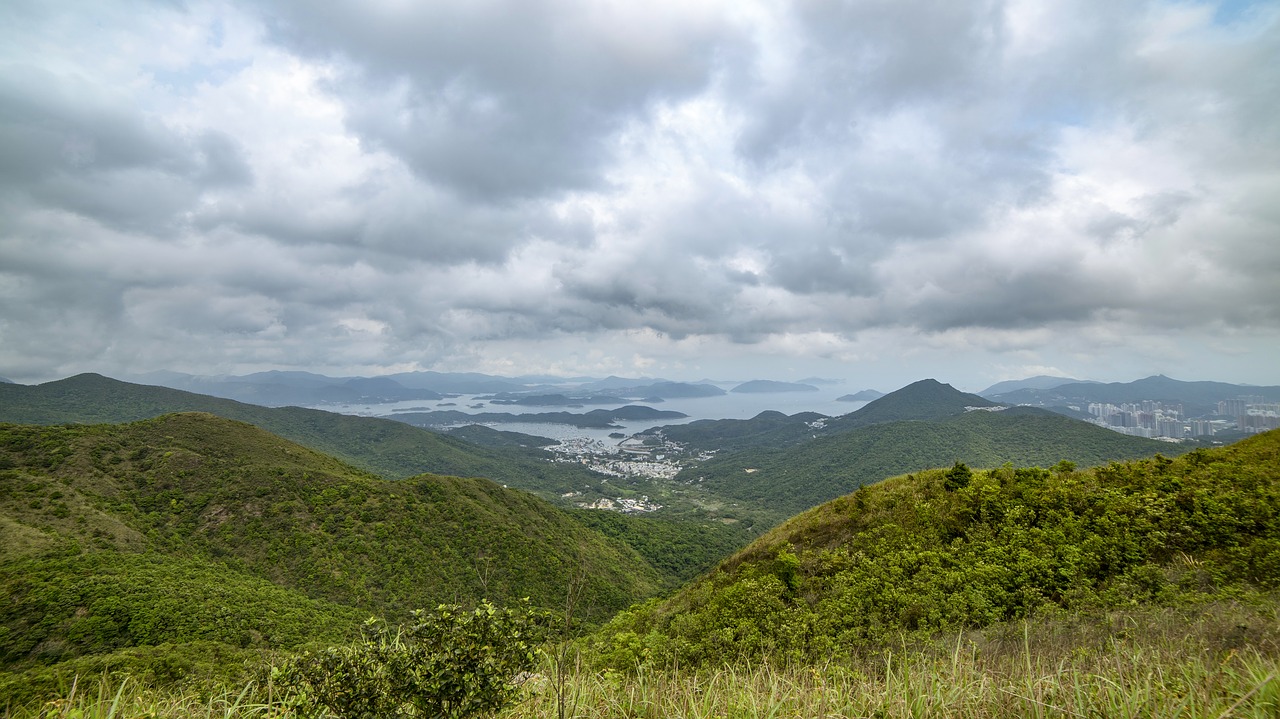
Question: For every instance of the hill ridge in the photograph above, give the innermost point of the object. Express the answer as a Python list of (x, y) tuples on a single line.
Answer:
[(948, 549)]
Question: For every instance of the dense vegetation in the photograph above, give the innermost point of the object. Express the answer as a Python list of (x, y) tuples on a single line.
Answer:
[(948, 549), (187, 549), (796, 478), (680, 550), (192, 528), (198, 485), (447, 663)]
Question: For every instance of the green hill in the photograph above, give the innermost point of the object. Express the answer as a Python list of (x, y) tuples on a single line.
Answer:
[(925, 400), (388, 448), (391, 449), (181, 547), (66, 606), (769, 429), (949, 549), (794, 478), (199, 486), (920, 401)]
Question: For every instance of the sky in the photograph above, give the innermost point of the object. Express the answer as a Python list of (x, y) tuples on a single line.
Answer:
[(871, 190)]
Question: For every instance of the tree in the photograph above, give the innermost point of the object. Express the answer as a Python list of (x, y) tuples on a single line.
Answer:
[(957, 477)]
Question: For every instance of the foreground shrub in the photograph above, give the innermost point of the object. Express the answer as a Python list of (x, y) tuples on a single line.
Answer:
[(447, 663)]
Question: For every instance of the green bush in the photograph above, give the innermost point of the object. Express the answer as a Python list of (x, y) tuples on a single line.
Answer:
[(447, 663)]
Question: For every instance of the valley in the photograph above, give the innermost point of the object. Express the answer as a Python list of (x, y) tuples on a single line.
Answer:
[(797, 538)]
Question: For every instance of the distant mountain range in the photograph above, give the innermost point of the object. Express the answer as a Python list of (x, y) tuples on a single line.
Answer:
[(784, 464), (596, 418), (1037, 382), (1197, 398), (386, 447), (865, 395), (797, 460), (761, 386), (279, 389)]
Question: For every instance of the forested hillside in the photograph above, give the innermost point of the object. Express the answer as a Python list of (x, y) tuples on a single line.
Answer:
[(793, 479), (956, 548), (190, 527), (387, 448)]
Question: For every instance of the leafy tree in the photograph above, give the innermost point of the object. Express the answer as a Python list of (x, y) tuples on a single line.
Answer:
[(958, 477)]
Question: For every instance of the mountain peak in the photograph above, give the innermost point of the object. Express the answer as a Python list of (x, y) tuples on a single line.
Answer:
[(926, 399)]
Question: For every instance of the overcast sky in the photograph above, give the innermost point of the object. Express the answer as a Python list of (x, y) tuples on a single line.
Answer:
[(875, 190)]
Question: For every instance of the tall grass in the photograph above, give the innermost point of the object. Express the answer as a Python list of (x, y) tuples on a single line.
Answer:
[(105, 699), (1222, 662), (914, 686)]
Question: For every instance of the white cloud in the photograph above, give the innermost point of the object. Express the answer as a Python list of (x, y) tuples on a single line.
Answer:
[(610, 188)]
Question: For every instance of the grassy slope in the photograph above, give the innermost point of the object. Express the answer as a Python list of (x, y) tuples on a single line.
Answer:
[(911, 554), (195, 485)]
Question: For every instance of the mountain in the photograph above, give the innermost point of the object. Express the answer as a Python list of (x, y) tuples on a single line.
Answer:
[(865, 395), (596, 418), (821, 381), (953, 549), (1197, 398), (613, 382), (1038, 382), (758, 386), (199, 486), (389, 448), (483, 436), (676, 390), (385, 389), (922, 401), (927, 399), (549, 400), (769, 428), (288, 378), (278, 389), (793, 478), (458, 382), (190, 534), (6, 380)]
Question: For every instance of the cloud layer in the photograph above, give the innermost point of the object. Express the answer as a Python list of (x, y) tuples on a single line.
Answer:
[(865, 188)]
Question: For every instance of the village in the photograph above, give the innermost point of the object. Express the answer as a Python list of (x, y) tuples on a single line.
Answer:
[(631, 457)]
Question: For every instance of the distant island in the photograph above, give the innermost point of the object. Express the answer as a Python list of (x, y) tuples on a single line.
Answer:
[(866, 395), (761, 386), (596, 418)]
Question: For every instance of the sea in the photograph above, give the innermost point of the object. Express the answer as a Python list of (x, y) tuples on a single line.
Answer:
[(727, 406)]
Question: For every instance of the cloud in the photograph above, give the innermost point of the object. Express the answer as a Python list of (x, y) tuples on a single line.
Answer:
[(236, 185), (504, 100)]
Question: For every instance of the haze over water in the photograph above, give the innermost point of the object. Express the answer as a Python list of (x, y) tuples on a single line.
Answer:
[(727, 406)]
